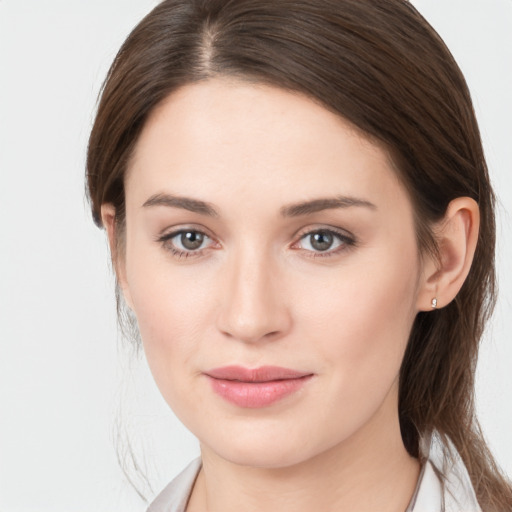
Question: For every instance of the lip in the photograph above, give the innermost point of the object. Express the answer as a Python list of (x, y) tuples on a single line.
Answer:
[(256, 387)]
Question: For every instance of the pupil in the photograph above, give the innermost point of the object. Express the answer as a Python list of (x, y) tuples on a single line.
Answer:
[(321, 241), (191, 240)]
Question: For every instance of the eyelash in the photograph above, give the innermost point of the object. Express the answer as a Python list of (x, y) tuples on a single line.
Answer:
[(347, 242)]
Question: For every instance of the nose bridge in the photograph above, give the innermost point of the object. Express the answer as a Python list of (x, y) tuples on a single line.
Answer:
[(253, 308)]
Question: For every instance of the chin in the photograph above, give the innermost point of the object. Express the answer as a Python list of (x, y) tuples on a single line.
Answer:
[(262, 446), (265, 457)]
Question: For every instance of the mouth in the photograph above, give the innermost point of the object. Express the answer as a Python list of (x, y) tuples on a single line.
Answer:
[(257, 387)]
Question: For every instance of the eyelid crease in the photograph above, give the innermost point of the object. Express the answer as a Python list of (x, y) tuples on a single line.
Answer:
[(171, 231), (342, 233), (171, 234)]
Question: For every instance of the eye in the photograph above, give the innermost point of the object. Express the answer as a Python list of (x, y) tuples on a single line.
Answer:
[(185, 242), (324, 241), (189, 240)]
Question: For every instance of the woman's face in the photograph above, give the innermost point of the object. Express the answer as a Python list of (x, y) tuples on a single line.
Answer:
[(271, 262)]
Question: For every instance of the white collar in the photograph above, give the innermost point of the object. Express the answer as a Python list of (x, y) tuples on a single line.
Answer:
[(443, 486)]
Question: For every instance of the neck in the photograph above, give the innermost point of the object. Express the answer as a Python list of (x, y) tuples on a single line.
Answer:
[(369, 471)]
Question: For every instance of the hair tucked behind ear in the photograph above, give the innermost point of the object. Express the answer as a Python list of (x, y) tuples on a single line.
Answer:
[(378, 64)]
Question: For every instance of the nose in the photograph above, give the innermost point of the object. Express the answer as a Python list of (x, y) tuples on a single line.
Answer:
[(254, 305)]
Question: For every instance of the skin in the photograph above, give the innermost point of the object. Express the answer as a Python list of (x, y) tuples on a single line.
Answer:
[(258, 292)]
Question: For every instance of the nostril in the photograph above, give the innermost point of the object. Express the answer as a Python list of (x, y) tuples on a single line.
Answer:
[(252, 308)]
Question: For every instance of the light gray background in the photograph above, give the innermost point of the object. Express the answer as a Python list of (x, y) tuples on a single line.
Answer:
[(62, 380)]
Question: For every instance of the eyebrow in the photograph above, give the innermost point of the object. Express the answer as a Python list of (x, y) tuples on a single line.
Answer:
[(328, 203), (186, 203), (292, 210)]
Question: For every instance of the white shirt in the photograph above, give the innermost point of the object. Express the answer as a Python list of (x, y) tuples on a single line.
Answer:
[(443, 486)]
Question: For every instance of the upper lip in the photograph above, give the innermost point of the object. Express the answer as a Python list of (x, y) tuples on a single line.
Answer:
[(261, 374)]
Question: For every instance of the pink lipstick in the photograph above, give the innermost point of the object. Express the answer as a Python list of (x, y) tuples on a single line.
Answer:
[(258, 387)]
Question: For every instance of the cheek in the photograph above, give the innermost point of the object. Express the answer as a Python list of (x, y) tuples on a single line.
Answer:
[(170, 304), (361, 323)]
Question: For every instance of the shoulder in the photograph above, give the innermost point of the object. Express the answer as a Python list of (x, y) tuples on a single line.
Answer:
[(174, 496)]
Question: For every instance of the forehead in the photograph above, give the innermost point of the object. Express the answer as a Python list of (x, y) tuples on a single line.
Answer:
[(229, 139)]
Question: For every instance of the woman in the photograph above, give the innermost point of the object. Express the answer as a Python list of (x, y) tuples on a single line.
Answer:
[(301, 221)]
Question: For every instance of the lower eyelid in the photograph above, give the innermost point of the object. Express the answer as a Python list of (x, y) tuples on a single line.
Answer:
[(185, 254), (327, 254)]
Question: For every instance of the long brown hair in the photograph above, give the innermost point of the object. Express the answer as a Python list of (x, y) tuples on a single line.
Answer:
[(380, 65)]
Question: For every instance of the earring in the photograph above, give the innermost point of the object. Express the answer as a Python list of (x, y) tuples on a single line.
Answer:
[(434, 303)]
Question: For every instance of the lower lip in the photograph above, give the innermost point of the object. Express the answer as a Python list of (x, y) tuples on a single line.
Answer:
[(255, 395)]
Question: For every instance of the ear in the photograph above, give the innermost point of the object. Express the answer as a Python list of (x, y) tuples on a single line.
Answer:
[(108, 218), (456, 235)]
